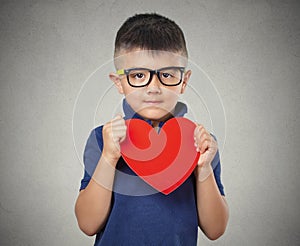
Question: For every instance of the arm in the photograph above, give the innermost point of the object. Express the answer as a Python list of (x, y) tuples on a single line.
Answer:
[(212, 207), (93, 203)]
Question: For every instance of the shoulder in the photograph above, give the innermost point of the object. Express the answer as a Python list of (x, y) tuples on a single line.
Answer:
[(95, 138), (93, 147)]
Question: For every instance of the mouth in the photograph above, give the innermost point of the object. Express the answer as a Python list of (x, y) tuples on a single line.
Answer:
[(153, 102)]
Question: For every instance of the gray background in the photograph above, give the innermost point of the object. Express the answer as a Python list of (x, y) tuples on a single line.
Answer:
[(250, 49)]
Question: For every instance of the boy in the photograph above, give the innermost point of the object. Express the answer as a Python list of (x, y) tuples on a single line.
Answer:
[(114, 203)]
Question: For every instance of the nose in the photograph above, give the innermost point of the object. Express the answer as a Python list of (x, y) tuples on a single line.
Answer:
[(154, 86)]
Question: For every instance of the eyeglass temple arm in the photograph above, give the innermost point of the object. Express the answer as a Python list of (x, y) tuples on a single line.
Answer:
[(120, 72)]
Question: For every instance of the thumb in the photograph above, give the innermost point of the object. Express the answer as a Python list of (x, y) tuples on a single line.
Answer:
[(118, 116)]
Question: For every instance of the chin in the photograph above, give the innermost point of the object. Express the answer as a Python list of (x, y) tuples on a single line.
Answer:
[(154, 114)]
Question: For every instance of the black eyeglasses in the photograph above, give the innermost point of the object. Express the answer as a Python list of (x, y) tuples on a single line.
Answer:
[(140, 77)]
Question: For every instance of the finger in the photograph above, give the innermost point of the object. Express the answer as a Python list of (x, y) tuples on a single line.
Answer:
[(118, 116), (123, 137), (118, 120), (198, 130), (117, 129), (202, 160), (119, 135), (120, 132), (209, 141), (201, 139), (205, 136), (210, 148), (203, 146), (118, 125)]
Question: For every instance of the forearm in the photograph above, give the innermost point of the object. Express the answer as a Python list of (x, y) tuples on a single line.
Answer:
[(93, 204), (212, 208)]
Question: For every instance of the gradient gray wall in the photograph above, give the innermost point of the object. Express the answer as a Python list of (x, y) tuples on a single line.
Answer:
[(250, 50)]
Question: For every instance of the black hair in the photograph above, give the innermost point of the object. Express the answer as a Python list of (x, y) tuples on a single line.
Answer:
[(150, 32)]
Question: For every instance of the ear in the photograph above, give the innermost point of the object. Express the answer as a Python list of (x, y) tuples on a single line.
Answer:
[(117, 81), (186, 78)]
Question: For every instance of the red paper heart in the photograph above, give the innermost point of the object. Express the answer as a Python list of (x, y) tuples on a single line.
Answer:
[(165, 159)]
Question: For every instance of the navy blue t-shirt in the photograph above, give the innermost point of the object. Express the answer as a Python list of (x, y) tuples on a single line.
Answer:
[(140, 215)]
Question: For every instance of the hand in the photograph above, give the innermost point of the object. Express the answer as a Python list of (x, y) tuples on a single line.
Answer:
[(207, 146), (114, 132)]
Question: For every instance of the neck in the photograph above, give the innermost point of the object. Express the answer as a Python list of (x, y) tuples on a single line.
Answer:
[(155, 123)]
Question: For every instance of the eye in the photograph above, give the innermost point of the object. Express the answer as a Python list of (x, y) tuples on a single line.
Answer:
[(167, 75), (139, 75)]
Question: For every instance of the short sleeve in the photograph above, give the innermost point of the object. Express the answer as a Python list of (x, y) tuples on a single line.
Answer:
[(216, 165), (91, 156)]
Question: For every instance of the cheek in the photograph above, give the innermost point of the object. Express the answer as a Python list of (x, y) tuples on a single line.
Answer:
[(128, 91), (172, 94), (133, 96)]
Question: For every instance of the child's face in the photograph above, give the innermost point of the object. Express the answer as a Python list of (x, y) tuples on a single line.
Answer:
[(154, 101)]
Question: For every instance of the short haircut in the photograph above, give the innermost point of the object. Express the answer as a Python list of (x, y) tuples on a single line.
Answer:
[(150, 32)]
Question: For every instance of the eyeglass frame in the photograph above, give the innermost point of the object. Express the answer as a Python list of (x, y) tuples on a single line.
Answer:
[(152, 72)]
